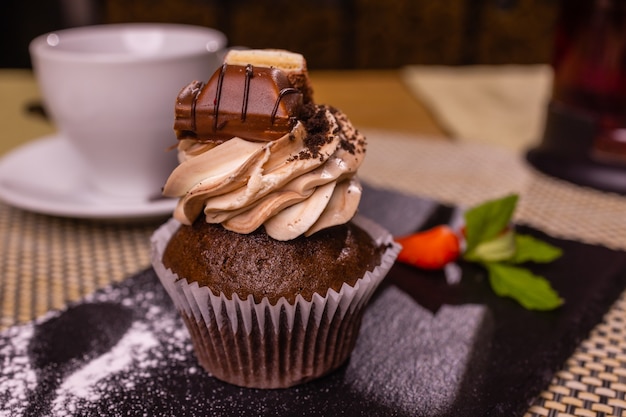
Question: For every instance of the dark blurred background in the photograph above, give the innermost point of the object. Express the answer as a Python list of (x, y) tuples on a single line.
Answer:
[(330, 33)]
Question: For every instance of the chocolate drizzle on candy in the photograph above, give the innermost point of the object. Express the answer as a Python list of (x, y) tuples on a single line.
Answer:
[(250, 102)]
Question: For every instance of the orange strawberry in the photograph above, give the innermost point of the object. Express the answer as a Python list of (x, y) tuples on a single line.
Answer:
[(430, 249)]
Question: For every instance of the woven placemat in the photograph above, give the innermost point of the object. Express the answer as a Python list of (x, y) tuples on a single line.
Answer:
[(468, 174), (593, 381), (49, 261)]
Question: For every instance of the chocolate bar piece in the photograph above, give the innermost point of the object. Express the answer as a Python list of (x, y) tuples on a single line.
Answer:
[(250, 102)]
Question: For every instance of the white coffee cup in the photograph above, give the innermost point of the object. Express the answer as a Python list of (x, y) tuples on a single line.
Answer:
[(111, 90)]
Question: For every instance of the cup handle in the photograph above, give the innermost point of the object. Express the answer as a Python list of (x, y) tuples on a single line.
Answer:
[(221, 54), (36, 109)]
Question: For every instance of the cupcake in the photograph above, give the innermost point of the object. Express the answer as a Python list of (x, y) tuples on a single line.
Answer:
[(265, 257)]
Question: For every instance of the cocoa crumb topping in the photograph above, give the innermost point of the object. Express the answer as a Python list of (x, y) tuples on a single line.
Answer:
[(351, 139), (316, 124), (347, 146)]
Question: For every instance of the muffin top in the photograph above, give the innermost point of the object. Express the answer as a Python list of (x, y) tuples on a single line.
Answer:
[(232, 263)]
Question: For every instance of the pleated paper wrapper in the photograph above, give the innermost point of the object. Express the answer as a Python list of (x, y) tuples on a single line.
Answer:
[(261, 345)]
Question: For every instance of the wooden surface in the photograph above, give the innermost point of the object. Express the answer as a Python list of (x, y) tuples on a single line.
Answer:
[(372, 99), (377, 99)]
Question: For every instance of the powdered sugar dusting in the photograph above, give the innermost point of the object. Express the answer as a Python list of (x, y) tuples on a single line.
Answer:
[(16, 375), (46, 371), (133, 346)]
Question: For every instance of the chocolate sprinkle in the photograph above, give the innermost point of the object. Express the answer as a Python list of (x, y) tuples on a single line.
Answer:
[(316, 124)]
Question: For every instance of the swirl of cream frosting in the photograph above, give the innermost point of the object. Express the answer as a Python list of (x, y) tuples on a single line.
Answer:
[(296, 185)]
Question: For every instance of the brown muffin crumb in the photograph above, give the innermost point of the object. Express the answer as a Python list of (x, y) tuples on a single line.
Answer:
[(256, 264)]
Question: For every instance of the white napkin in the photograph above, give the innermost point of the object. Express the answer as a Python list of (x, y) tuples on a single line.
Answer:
[(498, 105)]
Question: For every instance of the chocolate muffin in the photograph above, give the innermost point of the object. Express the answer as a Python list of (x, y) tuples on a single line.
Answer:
[(282, 339), (257, 265), (264, 257)]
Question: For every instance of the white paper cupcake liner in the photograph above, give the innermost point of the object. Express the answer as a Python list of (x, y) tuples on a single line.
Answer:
[(272, 346)]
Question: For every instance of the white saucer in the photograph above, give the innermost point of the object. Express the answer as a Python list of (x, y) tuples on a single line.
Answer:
[(44, 176)]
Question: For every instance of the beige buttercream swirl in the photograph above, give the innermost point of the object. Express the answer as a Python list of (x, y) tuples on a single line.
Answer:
[(279, 184)]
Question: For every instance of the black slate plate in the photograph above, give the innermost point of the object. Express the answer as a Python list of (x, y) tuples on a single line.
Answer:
[(427, 347)]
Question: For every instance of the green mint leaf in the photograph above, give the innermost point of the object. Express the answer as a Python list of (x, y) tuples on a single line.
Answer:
[(533, 292), (486, 221), (500, 248), (530, 249), (491, 241)]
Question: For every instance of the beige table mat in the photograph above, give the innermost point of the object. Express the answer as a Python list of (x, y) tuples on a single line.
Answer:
[(468, 173), (47, 261), (496, 105)]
